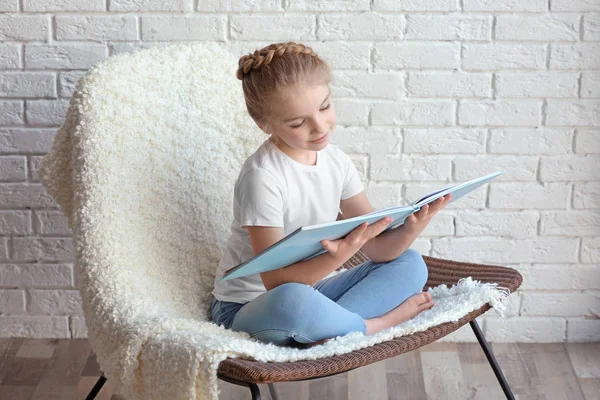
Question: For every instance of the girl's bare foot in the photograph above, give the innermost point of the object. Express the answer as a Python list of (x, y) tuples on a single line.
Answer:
[(408, 309)]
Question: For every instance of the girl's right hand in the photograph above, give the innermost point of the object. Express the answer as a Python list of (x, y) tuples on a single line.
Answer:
[(354, 241)]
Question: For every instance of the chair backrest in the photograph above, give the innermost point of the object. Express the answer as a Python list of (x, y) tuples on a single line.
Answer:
[(161, 136)]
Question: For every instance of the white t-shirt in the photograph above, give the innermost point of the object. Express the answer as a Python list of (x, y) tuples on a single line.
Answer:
[(275, 190)]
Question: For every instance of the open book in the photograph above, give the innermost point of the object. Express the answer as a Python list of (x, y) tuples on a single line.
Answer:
[(305, 242)]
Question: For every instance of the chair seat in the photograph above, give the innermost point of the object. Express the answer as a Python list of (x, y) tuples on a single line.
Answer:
[(440, 272)]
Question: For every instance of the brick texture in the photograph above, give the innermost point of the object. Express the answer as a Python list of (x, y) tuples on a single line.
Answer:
[(428, 92)]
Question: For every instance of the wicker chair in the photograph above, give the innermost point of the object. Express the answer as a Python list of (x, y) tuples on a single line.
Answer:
[(250, 373), (178, 103)]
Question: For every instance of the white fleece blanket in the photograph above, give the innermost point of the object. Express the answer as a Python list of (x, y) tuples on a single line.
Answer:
[(143, 168)]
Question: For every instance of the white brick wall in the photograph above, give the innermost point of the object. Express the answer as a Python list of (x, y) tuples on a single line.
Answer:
[(428, 92)]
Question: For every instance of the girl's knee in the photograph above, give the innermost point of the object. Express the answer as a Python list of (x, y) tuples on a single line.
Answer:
[(410, 254), (292, 299), (413, 261), (283, 307), (294, 291)]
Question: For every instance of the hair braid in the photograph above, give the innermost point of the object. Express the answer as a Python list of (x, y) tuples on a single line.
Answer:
[(264, 56)]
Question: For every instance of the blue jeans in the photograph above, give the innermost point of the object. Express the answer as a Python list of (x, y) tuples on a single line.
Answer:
[(336, 306)]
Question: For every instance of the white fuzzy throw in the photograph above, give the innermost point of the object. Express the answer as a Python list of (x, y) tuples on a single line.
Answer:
[(143, 168)]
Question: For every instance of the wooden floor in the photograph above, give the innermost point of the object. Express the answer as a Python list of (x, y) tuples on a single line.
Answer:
[(66, 369)]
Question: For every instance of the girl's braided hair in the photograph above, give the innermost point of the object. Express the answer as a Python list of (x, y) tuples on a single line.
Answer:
[(278, 66)]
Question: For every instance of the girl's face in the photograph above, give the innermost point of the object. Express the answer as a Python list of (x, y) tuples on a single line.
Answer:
[(304, 118)]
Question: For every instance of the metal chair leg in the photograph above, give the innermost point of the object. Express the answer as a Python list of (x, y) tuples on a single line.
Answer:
[(273, 392), (254, 390), (492, 360), (96, 389)]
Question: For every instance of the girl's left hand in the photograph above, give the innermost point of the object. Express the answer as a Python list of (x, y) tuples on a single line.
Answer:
[(418, 221)]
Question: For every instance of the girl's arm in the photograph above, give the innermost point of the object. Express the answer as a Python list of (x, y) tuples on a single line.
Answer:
[(311, 271), (390, 244), (394, 242), (381, 248)]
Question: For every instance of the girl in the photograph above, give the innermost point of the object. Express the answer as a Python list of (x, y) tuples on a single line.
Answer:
[(295, 178)]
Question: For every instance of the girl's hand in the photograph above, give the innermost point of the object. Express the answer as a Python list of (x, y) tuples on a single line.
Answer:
[(418, 221), (352, 242)]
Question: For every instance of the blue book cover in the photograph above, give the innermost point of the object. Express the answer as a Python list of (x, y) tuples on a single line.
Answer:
[(305, 242)]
